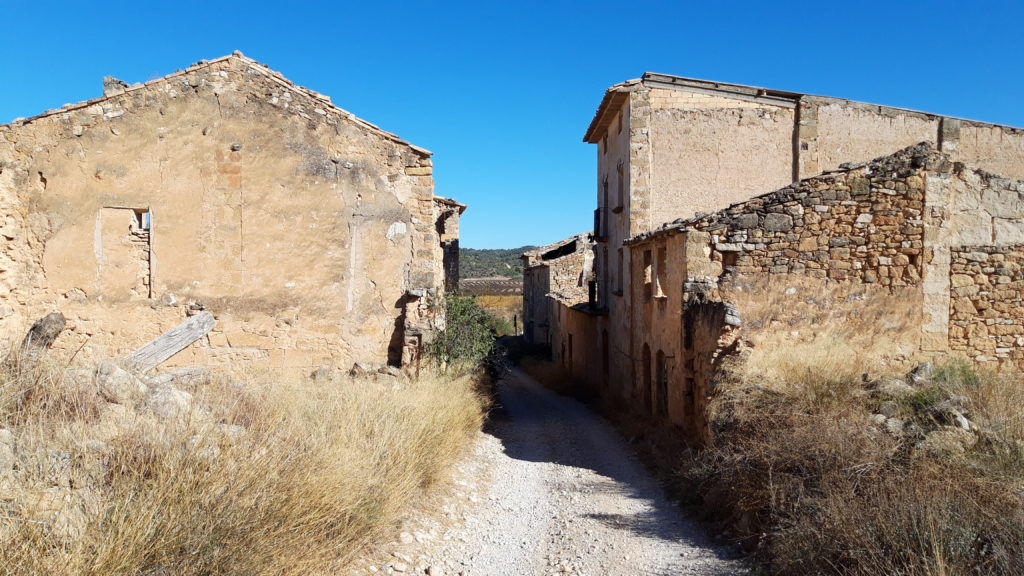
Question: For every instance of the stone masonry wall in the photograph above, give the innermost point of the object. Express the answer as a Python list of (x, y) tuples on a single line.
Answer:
[(863, 224), (987, 297)]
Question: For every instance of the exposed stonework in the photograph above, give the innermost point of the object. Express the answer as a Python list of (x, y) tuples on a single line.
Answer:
[(671, 148), (448, 213), (987, 310), (908, 223), (558, 274), (863, 223), (224, 186)]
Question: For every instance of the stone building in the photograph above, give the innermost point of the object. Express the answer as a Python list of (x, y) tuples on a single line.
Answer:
[(948, 238), (312, 235), (671, 148), (554, 276)]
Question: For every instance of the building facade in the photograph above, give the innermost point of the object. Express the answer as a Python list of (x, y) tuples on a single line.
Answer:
[(313, 236), (672, 148)]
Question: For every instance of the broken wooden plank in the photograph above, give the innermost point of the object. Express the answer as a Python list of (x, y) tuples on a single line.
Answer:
[(38, 340), (170, 343)]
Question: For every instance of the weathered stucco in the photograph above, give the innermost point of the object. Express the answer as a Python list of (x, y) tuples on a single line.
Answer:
[(855, 132), (997, 149), (301, 227), (708, 151)]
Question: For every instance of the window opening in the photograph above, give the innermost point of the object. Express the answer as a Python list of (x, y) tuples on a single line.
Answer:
[(648, 276), (143, 219)]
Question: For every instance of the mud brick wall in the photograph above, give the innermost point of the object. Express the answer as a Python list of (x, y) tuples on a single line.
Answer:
[(987, 303), (863, 224)]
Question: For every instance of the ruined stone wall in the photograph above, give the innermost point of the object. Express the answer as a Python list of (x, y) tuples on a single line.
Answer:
[(448, 214), (563, 270), (709, 151), (864, 224), (299, 226), (987, 304)]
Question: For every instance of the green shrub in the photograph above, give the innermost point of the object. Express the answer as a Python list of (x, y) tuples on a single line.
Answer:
[(469, 334)]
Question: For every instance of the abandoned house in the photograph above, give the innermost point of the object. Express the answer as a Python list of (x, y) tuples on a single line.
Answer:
[(313, 236), (672, 150)]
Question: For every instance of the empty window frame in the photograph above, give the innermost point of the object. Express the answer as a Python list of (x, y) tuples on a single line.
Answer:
[(142, 219), (648, 276)]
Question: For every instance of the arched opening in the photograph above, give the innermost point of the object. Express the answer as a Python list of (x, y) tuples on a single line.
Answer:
[(645, 379), (661, 377)]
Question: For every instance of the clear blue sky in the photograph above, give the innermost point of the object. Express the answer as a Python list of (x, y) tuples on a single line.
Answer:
[(502, 92)]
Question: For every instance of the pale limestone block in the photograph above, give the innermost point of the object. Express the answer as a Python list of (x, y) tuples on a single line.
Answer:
[(1009, 231), (971, 229)]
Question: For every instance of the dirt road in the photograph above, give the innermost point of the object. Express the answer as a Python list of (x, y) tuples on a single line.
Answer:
[(564, 495)]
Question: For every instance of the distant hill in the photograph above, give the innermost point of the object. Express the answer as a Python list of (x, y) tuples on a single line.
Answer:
[(474, 263)]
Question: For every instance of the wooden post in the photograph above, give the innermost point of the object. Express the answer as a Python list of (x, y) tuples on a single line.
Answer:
[(170, 343)]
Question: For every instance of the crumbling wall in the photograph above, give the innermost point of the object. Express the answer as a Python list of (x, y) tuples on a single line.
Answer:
[(711, 333), (448, 213), (300, 226), (562, 270), (863, 224)]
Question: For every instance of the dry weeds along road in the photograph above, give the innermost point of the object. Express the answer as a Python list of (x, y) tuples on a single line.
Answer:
[(556, 491)]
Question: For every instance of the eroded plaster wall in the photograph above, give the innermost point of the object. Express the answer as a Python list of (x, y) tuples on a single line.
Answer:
[(854, 132), (996, 149), (708, 151), (300, 227)]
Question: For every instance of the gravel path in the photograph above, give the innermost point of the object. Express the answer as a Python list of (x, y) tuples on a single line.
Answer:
[(557, 491)]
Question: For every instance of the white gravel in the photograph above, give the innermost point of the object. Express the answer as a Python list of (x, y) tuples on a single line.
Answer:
[(553, 489)]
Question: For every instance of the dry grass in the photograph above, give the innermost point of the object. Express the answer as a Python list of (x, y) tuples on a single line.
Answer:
[(317, 469), (812, 330), (805, 471)]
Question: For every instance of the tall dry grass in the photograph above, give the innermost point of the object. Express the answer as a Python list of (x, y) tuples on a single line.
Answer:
[(264, 476), (805, 329), (828, 459)]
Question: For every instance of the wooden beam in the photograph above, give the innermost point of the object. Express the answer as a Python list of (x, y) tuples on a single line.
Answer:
[(170, 343)]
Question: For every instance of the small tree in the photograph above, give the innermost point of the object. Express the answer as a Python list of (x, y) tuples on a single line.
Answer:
[(469, 333)]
